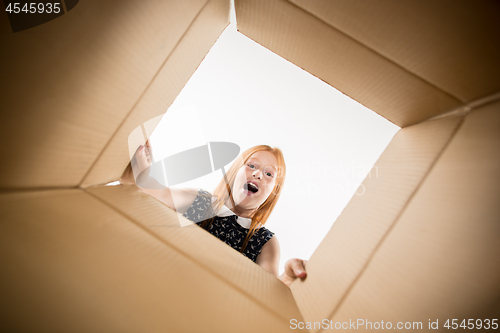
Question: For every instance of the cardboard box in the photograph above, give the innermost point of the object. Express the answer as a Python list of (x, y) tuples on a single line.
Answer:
[(423, 243)]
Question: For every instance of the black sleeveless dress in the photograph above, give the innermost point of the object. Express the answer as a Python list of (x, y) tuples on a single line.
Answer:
[(226, 228)]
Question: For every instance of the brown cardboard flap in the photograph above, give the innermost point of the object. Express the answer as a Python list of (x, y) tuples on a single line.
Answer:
[(343, 62), (68, 84), (166, 85), (71, 263), (441, 259), (454, 45), (343, 254), (209, 252), (421, 242)]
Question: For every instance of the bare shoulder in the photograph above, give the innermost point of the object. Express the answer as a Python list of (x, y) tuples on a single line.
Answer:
[(272, 245)]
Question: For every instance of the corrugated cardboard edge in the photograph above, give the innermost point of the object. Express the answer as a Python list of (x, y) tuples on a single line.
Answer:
[(161, 92), (194, 242), (68, 84), (346, 250), (73, 263), (353, 68), (440, 260), (436, 40)]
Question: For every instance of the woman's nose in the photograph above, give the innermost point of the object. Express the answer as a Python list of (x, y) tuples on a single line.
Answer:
[(257, 174)]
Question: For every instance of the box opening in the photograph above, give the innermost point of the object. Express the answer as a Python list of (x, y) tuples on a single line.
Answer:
[(245, 94)]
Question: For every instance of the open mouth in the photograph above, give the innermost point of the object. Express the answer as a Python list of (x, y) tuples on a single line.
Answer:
[(251, 187)]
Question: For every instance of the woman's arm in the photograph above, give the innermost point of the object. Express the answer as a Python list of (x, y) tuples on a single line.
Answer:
[(137, 172), (269, 259)]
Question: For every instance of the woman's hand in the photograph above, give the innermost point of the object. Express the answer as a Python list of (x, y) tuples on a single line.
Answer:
[(140, 162), (142, 159), (294, 268)]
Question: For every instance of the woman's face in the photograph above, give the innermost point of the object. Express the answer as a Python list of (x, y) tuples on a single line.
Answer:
[(255, 180)]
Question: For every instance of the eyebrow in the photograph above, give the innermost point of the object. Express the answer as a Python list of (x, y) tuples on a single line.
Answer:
[(257, 160), (271, 166)]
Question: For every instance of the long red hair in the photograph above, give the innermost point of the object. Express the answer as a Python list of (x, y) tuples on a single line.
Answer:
[(223, 191)]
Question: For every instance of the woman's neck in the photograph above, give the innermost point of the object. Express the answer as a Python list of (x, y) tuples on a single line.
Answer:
[(242, 212)]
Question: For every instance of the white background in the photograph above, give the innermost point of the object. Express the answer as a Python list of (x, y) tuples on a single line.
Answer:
[(245, 94)]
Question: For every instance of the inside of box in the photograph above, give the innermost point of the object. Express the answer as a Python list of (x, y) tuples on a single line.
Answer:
[(421, 245), (244, 94), (354, 272)]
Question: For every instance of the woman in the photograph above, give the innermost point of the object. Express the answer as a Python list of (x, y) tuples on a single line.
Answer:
[(239, 208)]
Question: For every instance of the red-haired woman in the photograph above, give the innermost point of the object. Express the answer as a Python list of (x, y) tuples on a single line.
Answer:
[(239, 207)]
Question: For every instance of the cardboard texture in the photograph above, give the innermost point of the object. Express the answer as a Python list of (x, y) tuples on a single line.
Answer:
[(81, 265), (440, 260), (421, 243), (195, 243), (345, 63), (367, 219), (176, 70), (422, 36), (70, 83)]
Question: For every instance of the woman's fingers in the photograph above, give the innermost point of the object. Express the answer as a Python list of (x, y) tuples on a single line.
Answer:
[(149, 149), (303, 268), (300, 269), (141, 160), (296, 268)]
